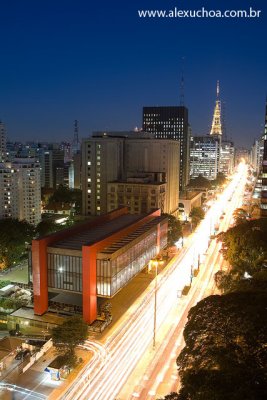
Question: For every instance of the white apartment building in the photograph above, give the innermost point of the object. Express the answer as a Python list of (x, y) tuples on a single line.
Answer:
[(20, 190)]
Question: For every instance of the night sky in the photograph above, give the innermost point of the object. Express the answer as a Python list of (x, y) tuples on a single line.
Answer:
[(99, 63)]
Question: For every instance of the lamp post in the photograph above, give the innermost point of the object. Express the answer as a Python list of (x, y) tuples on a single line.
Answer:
[(155, 304), (155, 262)]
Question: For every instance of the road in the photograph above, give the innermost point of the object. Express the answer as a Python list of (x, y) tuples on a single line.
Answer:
[(106, 374), (161, 377)]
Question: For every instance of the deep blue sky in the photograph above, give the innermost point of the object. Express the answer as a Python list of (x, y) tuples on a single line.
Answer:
[(97, 62)]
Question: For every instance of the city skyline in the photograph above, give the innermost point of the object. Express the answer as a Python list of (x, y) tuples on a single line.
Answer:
[(103, 64)]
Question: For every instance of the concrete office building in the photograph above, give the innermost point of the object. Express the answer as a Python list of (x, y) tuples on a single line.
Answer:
[(95, 259), (114, 156), (150, 155), (171, 122), (140, 193)]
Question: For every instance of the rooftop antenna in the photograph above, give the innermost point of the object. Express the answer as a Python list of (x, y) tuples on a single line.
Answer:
[(218, 89), (182, 84)]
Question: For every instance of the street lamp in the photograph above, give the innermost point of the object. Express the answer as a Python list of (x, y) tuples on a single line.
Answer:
[(156, 263)]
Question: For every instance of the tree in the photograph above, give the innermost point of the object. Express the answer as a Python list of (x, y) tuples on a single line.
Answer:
[(66, 337), (200, 183), (224, 356), (68, 196), (171, 396), (196, 215), (244, 246), (220, 179), (46, 227), (174, 229), (14, 235), (240, 215)]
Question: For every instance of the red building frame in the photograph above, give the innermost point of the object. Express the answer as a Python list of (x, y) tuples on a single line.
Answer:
[(89, 255)]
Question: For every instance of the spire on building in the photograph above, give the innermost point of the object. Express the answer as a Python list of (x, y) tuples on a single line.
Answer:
[(216, 128)]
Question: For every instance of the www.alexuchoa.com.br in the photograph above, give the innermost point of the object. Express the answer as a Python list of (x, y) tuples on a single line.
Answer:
[(200, 13)]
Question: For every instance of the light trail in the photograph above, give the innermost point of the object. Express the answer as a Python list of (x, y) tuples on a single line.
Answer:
[(18, 389), (161, 380), (108, 370)]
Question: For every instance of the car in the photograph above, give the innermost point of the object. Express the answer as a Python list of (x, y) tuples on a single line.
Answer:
[(22, 354)]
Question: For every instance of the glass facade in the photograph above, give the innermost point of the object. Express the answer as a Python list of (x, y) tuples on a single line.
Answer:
[(114, 273), (64, 272)]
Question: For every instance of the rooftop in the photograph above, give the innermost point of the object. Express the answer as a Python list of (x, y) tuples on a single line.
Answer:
[(188, 195), (94, 234), (132, 236)]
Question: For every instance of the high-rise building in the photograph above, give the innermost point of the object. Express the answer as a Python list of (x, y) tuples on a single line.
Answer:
[(162, 156), (256, 154), (263, 204), (20, 190), (52, 168), (8, 193), (2, 142), (171, 122), (205, 156), (227, 157), (76, 145), (102, 162), (114, 156), (46, 163)]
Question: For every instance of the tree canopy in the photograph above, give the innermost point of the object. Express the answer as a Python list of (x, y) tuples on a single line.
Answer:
[(220, 179), (196, 215), (225, 356), (68, 196), (174, 229), (200, 183), (244, 246), (66, 337), (13, 237)]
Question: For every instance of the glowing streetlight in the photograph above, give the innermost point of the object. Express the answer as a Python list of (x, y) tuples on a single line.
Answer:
[(155, 262)]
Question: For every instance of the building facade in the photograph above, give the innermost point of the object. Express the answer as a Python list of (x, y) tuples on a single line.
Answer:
[(94, 259), (227, 157), (140, 194), (114, 156), (263, 204), (3, 149), (205, 156), (171, 123), (20, 191)]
